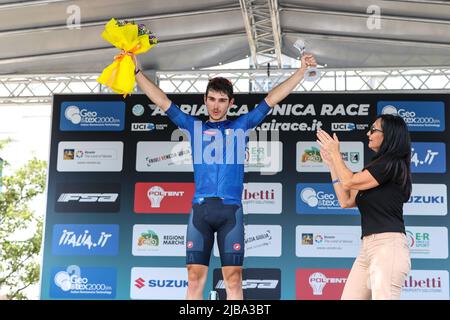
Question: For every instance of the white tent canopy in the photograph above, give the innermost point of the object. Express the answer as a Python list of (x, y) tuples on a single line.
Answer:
[(36, 39)]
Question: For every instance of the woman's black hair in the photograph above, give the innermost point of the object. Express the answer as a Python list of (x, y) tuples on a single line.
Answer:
[(395, 150)]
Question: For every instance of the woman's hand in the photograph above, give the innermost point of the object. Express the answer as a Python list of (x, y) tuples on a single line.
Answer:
[(326, 158), (330, 145)]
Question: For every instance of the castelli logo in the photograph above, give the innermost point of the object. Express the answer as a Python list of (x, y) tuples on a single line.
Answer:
[(237, 246), (190, 244)]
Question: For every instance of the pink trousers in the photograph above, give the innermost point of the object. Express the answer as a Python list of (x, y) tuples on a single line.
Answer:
[(380, 269)]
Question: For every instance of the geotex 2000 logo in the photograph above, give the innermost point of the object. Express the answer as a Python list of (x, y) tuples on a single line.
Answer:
[(319, 198), (418, 115), (92, 116), (74, 282)]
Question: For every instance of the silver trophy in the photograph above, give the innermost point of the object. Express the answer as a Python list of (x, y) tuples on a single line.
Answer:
[(313, 73)]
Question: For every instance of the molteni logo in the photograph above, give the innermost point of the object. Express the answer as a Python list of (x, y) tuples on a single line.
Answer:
[(87, 197)]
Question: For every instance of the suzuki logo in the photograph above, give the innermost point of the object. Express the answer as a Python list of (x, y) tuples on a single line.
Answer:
[(140, 283)]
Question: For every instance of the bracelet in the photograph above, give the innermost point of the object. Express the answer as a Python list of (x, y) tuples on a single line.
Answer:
[(335, 181), (137, 71)]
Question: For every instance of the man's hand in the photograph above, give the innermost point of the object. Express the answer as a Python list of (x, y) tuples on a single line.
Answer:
[(308, 61), (137, 65)]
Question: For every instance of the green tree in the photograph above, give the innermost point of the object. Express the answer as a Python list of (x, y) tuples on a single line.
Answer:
[(19, 267)]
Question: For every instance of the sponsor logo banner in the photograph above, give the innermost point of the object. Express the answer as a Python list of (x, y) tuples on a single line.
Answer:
[(160, 197), (85, 239), (87, 197), (257, 284), (264, 156), (309, 159), (158, 283), (75, 282), (348, 126), (319, 198), (159, 240), (428, 157), (418, 115), (163, 156), (427, 200), (327, 241), (92, 116), (260, 241), (427, 242), (147, 126), (320, 284), (262, 198), (426, 285), (87, 156)]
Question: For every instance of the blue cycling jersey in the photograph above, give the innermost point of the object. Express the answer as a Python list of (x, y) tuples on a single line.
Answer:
[(218, 152)]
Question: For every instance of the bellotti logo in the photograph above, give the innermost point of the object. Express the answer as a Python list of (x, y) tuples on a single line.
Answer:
[(427, 200), (85, 239), (163, 197), (320, 284), (428, 157), (158, 283), (428, 242), (159, 240), (319, 198), (75, 282), (426, 285), (262, 198), (418, 115), (92, 116), (257, 283)]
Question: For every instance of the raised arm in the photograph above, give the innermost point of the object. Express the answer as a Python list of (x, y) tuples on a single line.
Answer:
[(285, 88), (153, 92), (345, 197), (349, 180)]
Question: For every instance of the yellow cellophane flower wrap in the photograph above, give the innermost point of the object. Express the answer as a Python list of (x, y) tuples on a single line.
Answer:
[(119, 75)]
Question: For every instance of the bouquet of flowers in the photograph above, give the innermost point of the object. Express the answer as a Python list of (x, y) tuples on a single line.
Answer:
[(130, 38)]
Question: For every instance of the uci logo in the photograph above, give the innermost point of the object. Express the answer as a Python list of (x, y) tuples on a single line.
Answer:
[(343, 126), (142, 126)]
